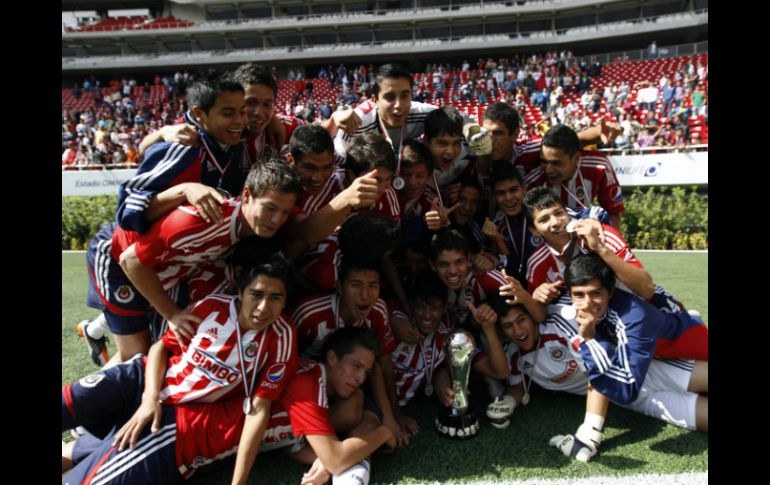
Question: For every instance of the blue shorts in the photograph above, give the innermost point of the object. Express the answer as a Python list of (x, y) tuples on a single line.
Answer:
[(102, 402), (110, 290), (105, 398)]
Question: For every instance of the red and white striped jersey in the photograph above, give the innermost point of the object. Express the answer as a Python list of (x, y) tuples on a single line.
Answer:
[(313, 203), (544, 267), (302, 409), (555, 368), (414, 364), (387, 205), (475, 287), (526, 155), (316, 317), (181, 241), (208, 368), (594, 178)]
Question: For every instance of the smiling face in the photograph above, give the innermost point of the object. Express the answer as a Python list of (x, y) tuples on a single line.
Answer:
[(314, 170), (509, 195), (261, 302), (558, 166), (591, 297), (451, 266), (225, 120), (551, 223), (519, 327), (345, 375), (264, 214), (394, 101), (358, 293), (427, 315), (260, 106)]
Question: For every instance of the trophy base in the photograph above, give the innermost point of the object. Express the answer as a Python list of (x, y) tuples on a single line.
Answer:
[(460, 427)]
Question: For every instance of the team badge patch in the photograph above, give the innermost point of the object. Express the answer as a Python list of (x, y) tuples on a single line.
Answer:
[(557, 353), (536, 239), (276, 372), (580, 192), (124, 294), (91, 380), (251, 350)]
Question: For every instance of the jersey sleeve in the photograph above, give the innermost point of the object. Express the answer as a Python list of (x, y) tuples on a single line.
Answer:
[(307, 407), (381, 326), (619, 246), (610, 194), (165, 165)]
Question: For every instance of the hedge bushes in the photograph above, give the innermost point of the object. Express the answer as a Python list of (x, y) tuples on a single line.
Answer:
[(666, 218), (81, 217), (658, 218)]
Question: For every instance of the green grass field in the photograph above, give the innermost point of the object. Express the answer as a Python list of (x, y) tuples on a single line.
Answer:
[(633, 443)]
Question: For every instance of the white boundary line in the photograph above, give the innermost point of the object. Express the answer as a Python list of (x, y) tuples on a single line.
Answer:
[(69, 251), (690, 478)]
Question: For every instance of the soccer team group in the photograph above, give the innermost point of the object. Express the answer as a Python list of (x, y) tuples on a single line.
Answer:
[(272, 284)]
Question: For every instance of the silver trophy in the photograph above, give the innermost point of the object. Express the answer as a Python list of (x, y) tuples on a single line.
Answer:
[(458, 421)]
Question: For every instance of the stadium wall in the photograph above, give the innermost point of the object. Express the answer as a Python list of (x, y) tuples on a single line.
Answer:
[(633, 171)]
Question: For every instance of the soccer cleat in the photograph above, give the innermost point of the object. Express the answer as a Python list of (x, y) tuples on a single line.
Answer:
[(96, 347)]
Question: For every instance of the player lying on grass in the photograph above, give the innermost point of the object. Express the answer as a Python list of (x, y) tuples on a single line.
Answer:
[(566, 238), (191, 435), (601, 345)]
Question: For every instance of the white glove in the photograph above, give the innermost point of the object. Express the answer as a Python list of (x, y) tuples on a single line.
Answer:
[(358, 474), (500, 411), (479, 140), (582, 447)]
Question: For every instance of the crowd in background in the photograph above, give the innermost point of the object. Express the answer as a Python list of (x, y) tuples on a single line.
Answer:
[(109, 132)]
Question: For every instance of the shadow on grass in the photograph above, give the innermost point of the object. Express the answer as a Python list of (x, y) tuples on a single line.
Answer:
[(689, 444)]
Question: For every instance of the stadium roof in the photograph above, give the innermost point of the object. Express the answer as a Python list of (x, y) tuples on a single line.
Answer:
[(101, 5)]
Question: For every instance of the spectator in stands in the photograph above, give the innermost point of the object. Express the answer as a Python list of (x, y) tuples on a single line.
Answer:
[(69, 156)]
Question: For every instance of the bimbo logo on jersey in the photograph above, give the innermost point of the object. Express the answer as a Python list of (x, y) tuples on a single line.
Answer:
[(275, 372), (213, 368)]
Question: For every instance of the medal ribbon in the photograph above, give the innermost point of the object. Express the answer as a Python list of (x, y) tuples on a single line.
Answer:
[(242, 361)]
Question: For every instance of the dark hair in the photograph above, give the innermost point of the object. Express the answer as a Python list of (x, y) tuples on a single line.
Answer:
[(343, 341), (500, 307), (368, 235), (446, 120), (587, 267), (391, 71), (273, 174), (540, 198), (274, 265), (447, 239), (503, 170), (349, 265), (252, 73), (562, 137), (503, 113), (209, 86), (310, 139), (427, 286), (470, 181), (369, 151), (422, 155)]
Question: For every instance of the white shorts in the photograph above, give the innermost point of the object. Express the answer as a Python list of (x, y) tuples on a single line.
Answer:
[(664, 393)]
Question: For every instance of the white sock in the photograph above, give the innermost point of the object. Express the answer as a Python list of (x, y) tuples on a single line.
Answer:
[(594, 420), (96, 327), (358, 474)]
